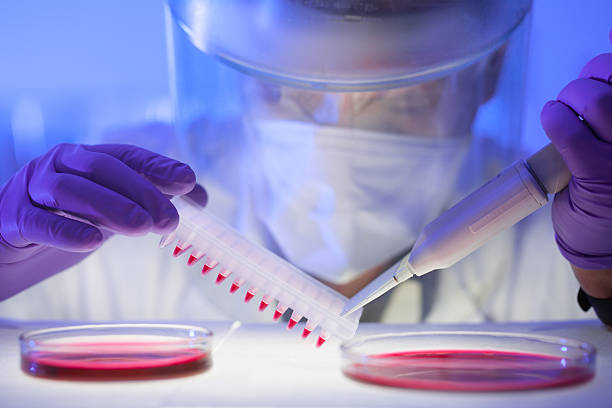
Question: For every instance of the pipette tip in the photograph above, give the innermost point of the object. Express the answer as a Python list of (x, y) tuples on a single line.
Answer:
[(263, 305), (277, 314), (348, 309), (178, 250), (166, 239), (320, 341), (306, 333), (220, 278), (248, 296), (192, 259), (291, 324), (234, 287), (373, 290)]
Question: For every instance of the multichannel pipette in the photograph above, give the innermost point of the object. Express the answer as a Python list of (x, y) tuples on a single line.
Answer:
[(512, 195), (264, 273)]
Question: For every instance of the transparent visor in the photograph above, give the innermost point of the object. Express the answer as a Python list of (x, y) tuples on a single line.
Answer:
[(348, 121), (348, 45)]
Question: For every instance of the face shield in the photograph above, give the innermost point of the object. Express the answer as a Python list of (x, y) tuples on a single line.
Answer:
[(333, 131), (348, 45)]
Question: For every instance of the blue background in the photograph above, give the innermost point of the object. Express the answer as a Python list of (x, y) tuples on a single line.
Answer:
[(70, 68)]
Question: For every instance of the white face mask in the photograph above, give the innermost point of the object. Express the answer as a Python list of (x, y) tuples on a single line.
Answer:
[(338, 201)]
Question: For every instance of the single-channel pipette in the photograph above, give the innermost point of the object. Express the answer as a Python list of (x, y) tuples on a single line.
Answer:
[(512, 195)]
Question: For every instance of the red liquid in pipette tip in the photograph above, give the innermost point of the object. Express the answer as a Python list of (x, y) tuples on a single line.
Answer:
[(277, 314), (220, 278), (320, 341), (468, 370), (192, 259), (248, 296), (178, 250), (291, 323), (115, 365), (234, 287), (262, 305), (206, 268), (306, 332)]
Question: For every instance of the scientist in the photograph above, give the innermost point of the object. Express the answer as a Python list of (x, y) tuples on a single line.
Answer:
[(125, 190)]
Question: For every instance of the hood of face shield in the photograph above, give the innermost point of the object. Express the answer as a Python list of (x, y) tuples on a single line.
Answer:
[(348, 45)]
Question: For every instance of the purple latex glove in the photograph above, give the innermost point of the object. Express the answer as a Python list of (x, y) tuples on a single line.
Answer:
[(579, 123), (120, 188)]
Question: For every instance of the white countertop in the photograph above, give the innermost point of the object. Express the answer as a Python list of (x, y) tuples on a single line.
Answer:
[(265, 365)]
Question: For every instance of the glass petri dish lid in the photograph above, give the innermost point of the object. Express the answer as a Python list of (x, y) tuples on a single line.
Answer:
[(116, 351), (468, 361)]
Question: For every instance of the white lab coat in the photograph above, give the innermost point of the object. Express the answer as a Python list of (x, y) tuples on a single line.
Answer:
[(518, 276)]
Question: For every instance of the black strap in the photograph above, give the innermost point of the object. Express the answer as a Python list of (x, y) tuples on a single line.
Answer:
[(602, 307)]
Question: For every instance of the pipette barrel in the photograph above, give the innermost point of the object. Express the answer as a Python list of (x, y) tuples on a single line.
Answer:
[(511, 196)]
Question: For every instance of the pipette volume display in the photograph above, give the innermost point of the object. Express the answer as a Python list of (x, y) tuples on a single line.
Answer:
[(261, 272)]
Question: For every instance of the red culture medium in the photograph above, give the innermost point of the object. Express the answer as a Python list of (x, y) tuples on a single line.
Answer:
[(111, 361), (468, 370)]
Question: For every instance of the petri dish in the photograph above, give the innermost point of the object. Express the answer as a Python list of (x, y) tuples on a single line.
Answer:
[(468, 361), (116, 351)]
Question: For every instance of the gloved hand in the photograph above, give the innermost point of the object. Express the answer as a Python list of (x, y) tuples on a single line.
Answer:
[(120, 188), (579, 123)]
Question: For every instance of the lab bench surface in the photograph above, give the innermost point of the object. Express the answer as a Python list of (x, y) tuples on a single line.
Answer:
[(264, 365)]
